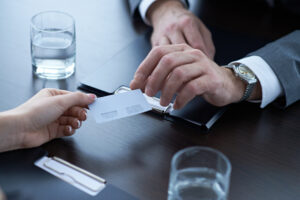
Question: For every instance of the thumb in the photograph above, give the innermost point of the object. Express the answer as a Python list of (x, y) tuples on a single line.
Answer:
[(75, 99)]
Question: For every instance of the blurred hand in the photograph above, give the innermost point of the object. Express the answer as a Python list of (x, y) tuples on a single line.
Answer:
[(49, 114), (2, 196), (173, 24), (186, 72)]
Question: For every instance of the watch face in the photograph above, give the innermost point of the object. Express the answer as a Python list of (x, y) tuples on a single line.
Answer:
[(246, 72)]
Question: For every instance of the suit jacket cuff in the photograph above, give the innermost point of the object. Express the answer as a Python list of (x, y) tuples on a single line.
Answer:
[(283, 57)]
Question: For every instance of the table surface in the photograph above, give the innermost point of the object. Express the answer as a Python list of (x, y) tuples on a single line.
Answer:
[(134, 154)]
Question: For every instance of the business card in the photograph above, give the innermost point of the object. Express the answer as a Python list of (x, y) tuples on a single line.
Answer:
[(117, 106)]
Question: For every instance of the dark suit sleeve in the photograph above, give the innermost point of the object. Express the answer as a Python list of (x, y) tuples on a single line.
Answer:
[(283, 56)]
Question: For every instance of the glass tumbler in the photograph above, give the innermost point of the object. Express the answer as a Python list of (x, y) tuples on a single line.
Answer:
[(199, 173), (53, 45)]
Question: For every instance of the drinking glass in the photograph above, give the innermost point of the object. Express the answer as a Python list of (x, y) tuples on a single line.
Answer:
[(199, 173), (53, 44)]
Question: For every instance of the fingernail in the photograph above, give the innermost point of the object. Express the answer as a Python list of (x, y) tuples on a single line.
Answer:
[(92, 96), (78, 123)]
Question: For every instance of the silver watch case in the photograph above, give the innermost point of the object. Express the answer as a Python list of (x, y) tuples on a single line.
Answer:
[(245, 74)]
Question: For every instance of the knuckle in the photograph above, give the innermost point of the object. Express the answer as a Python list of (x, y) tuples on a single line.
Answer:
[(198, 45), (183, 46), (151, 81), (157, 50), (81, 95), (78, 93), (178, 74), (171, 27), (167, 60), (197, 52), (185, 21), (192, 88)]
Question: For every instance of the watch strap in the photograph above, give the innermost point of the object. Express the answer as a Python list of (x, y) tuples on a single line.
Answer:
[(248, 91), (249, 87)]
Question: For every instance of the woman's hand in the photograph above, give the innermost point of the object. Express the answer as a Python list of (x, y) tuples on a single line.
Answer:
[(49, 114)]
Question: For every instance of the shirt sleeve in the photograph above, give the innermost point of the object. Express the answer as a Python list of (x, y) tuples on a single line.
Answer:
[(271, 88), (145, 5)]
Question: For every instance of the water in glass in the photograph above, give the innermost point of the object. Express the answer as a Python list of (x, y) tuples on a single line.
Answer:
[(53, 55), (197, 183)]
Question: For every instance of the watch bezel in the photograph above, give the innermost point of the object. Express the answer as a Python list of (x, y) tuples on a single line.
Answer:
[(250, 79)]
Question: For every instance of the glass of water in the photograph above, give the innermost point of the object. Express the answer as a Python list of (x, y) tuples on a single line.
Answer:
[(53, 45), (199, 173)]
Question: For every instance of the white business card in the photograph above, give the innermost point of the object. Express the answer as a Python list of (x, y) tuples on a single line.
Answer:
[(118, 106)]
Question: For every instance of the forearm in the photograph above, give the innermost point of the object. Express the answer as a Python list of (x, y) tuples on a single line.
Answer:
[(9, 134)]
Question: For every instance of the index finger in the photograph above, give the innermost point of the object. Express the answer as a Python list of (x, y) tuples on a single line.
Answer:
[(150, 62)]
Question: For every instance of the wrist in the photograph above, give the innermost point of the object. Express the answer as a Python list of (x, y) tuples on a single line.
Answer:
[(159, 8), (11, 137), (235, 86)]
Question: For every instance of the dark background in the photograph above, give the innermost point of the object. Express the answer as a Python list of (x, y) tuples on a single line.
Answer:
[(134, 153)]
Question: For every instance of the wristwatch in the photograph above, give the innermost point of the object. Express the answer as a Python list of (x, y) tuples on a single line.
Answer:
[(246, 75)]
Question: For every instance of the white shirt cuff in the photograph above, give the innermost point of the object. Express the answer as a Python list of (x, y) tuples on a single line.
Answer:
[(145, 5), (271, 88)]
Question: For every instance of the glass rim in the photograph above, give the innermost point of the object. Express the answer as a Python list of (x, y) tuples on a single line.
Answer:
[(209, 149), (52, 11)]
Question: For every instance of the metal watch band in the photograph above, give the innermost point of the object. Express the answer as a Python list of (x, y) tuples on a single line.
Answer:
[(249, 87), (247, 92)]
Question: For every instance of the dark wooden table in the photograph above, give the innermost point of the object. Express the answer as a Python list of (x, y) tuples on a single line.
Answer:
[(134, 153)]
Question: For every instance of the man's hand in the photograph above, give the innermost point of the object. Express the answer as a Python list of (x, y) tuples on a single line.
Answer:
[(49, 114), (173, 24), (186, 72)]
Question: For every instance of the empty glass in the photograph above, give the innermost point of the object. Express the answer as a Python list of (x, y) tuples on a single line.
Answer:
[(199, 173), (53, 45)]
